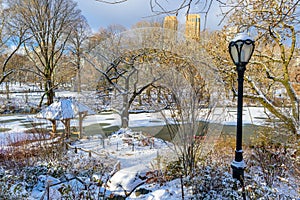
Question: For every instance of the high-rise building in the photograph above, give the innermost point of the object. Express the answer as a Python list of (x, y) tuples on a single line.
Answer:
[(171, 22), (192, 26), (170, 28)]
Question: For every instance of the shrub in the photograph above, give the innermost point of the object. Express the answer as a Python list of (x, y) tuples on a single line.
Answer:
[(271, 155)]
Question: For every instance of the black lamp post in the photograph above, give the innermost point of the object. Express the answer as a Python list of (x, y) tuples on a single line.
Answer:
[(241, 49)]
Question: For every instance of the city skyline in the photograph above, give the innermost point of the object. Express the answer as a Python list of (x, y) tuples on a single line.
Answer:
[(191, 26)]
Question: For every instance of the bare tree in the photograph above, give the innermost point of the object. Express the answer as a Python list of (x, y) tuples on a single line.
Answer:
[(270, 72), (190, 117), (77, 45), (12, 36), (181, 73), (125, 75), (128, 61), (50, 24), (124, 66)]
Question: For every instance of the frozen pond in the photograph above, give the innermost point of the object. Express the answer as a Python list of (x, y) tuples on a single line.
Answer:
[(12, 127)]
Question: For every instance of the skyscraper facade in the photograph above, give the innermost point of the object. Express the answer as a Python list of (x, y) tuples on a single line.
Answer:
[(170, 28), (192, 26), (171, 22)]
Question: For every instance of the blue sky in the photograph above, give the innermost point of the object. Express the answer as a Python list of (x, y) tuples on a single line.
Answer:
[(129, 13)]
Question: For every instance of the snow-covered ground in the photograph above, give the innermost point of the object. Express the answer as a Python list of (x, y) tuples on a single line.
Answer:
[(136, 159), (132, 154)]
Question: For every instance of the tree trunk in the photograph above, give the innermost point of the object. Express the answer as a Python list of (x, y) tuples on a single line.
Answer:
[(81, 117), (49, 91), (78, 77), (66, 122), (125, 112), (158, 95), (50, 96), (125, 106), (140, 100), (148, 92), (53, 126), (7, 89)]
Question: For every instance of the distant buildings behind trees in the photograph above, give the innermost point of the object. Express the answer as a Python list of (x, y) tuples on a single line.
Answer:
[(192, 25)]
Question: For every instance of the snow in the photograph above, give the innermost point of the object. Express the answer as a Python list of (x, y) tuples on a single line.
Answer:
[(131, 166), (242, 36), (239, 165), (65, 108), (130, 169), (38, 190), (251, 115), (131, 154)]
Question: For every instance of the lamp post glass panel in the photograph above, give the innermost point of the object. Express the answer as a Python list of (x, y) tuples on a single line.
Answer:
[(241, 49)]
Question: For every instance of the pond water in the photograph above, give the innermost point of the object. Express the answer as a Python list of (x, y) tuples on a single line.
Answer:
[(107, 122), (163, 132)]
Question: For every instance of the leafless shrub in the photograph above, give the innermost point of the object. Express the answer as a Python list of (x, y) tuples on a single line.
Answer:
[(273, 155), (30, 147)]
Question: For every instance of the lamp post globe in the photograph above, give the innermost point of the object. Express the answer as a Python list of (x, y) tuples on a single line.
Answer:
[(240, 49)]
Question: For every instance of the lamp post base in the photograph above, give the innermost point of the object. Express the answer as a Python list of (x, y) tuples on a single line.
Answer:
[(238, 169)]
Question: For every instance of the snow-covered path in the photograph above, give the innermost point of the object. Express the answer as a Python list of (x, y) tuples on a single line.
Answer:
[(135, 154), (129, 151)]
